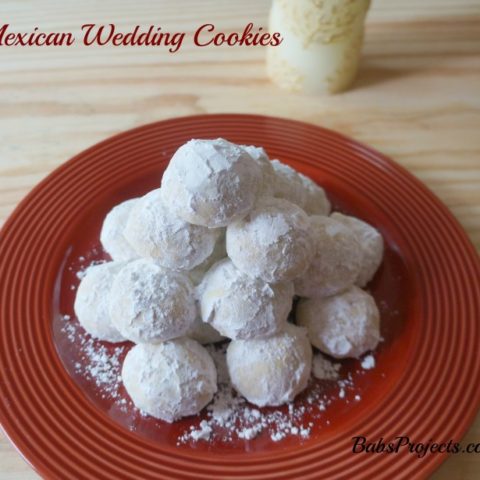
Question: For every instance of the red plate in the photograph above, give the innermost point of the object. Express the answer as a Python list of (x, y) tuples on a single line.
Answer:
[(425, 384)]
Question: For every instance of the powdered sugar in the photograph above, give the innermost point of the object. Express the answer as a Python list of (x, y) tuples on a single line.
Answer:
[(82, 269), (297, 188), (211, 182), (230, 417), (260, 157), (170, 380), (95, 362), (368, 362), (203, 433), (102, 367), (271, 371), (336, 263), (316, 200), (371, 245), (91, 301), (216, 184), (156, 232), (112, 233), (287, 184), (344, 325), (273, 242), (149, 303), (242, 307)]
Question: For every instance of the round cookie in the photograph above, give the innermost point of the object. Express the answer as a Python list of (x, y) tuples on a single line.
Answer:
[(211, 182), (337, 260), (260, 156), (345, 325), (371, 244), (273, 242), (299, 189), (271, 371), (112, 234), (91, 302), (287, 184), (316, 200), (150, 304), (170, 380), (154, 231), (241, 307)]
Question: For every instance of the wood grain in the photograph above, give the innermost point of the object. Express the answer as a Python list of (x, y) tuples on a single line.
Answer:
[(417, 99)]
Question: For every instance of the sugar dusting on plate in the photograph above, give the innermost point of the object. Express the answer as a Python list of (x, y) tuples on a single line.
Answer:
[(368, 362), (95, 361), (229, 416)]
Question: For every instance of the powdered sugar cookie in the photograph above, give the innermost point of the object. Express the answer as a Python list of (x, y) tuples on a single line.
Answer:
[(260, 156), (371, 244), (242, 307), (171, 380), (345, 325), (316, 200), (273, 242), (211, 182), (271, 371), (154, 231), (112, 234), (91, 302), (299, 189), (150, 304), (337, 260), (287, 184)]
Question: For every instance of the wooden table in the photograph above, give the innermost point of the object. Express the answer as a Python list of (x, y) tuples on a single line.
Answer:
[(417, 99)]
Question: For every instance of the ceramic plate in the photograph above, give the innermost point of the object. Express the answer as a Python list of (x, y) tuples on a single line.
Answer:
[(426, 377)]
